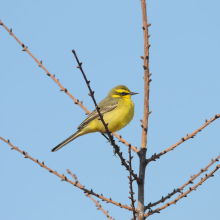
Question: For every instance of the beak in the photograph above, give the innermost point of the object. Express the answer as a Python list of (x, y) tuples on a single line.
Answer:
[(133, 93)]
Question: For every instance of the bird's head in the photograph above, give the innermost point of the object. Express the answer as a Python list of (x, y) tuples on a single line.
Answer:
[(121, 91)]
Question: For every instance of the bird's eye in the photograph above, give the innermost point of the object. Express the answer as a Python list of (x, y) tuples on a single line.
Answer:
[(123, 93)]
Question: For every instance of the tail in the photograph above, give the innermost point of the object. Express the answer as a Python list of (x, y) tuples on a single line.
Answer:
[(69, 139)]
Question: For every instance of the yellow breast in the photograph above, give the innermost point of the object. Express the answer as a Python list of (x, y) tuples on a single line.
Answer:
[(116, 119)]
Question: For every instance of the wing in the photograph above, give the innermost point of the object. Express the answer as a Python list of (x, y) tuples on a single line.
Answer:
[(103, 109)]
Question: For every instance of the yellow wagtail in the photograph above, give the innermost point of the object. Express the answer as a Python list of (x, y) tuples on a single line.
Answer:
[(117, 110)]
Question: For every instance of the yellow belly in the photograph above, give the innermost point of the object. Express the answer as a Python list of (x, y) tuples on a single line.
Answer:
[(117, 119)]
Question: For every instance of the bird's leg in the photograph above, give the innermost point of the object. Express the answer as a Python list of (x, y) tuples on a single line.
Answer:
[(114, 150), (105, 136)]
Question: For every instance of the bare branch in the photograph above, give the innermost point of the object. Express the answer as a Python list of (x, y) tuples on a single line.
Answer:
[(183, 139), (183, 186), (112, 141), (99, 207), (130, 185), (64, 178), (163, 199), (76, 101), (146, 75), (183, 194), (201, 171), (123, 141), (144, 125)]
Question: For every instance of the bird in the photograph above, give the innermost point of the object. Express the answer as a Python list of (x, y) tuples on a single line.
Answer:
[(117, 110)]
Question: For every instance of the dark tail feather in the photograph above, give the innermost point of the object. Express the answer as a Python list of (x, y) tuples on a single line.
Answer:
[(69, 139)]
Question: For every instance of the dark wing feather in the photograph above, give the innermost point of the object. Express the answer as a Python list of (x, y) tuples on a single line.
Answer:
[(94, 114)]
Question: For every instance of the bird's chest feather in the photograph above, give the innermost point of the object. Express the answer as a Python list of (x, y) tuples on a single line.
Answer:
[(120, 116)]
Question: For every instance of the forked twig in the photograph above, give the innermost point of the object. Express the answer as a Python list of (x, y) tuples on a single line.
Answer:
[(112, 141), (183, 186), (99, 207), (76, 101), (64, 178), (183, 139)]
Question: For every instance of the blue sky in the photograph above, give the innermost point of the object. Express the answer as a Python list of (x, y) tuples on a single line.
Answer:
[(107, 36)]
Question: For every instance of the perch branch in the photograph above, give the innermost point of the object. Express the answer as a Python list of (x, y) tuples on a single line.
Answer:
[(112, 141)]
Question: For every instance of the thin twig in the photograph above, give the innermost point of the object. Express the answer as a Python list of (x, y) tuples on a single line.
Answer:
[(112, 141), (183, 139), (76, 101), (201, 171), (183, 186), (131, 192), (64, 178), (163, 199), (123, 141), (99, 207), (183, 194)]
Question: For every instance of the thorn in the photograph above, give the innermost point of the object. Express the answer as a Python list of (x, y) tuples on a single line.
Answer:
[(25, 48), (143, 28), (144, 67), (141, 57), (23, 45), (49, 75), (150, 112), (1, 22), (10, 31), (148, 36), (8, 141), (149, 24)]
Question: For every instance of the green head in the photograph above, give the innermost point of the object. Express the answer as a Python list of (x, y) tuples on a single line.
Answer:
[(121, 91)]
